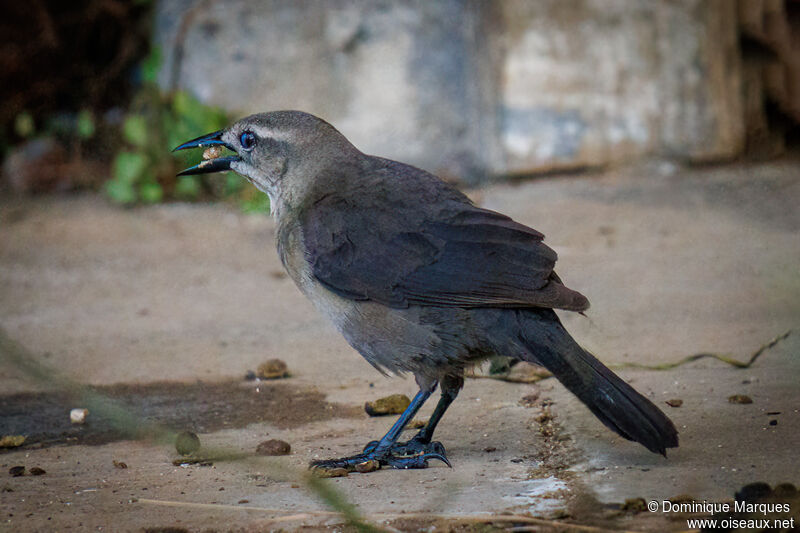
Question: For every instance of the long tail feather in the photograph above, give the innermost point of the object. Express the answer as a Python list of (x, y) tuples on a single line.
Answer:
[(621, 408)]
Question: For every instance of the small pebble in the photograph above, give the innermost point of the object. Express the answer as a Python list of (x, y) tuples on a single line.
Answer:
[(368, 466), (675, 402), (187, 443), (529, 400), (389, 405), (637, 505), (272, 369), (330, 472), (12, 441), (16, 471), (36, 471), (740, 398), (78, 416), (490, 449), (273, 447), (753, 492), (784, 490)]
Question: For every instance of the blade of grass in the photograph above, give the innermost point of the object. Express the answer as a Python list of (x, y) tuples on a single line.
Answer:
[(663, 366), (16, 356)]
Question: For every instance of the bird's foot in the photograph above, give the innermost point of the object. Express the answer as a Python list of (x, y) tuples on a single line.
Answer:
[(411, 454), (348, 463)]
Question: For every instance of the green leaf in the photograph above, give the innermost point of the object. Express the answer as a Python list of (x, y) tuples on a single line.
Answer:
[(182, 104), (164, 122), (151, 192), (24, 125), (178, 133), (197, 115), (120, 192), (128, 167), (151, 65), (85, 125), (187, 187), (134, 130)]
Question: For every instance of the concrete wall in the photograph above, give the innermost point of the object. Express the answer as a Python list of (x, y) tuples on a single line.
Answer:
[(471, 89)]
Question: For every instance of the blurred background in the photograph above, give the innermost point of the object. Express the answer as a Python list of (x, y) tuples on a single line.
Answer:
[(654, 142), (95, 92)]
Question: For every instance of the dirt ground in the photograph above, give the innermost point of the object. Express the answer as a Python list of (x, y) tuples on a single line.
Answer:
[(165, 309)]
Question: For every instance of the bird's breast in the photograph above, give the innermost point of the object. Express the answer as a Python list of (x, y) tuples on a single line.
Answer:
[(390, 339), (292, 252)]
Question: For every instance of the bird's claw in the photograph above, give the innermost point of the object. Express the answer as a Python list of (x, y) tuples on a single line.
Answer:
[(413, 461), (416, 454), (402, 455), (348, 463)]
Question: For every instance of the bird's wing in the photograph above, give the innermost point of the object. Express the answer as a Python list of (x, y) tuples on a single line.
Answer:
[(443, 253)]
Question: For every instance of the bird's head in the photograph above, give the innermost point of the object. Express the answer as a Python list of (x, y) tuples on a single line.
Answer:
[(280, 152)]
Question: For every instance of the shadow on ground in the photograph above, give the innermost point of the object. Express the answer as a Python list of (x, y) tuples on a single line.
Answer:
[(199, 407)]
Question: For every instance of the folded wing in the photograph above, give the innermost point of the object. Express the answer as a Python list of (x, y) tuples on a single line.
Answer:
[(458, 255)]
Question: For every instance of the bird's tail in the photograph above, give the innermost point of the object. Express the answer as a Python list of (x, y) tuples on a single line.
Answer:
[(614, 402)]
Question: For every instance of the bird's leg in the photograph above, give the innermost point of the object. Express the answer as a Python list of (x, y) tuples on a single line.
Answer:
[(422, 442), (382, 450), (450, 385)]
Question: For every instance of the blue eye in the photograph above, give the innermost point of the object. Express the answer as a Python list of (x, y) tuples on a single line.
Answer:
[(247, 140)]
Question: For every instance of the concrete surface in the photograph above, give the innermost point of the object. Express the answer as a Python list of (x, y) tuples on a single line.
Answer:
[(475, 90), (675, 262)]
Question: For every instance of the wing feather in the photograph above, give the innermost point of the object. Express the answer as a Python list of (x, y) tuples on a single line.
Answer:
[(434, 253)]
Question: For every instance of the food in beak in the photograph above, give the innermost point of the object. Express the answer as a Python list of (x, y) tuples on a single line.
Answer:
[(212, 152)]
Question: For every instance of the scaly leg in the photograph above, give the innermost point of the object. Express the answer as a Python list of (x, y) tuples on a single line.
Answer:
[(422, 442), (384, 451)]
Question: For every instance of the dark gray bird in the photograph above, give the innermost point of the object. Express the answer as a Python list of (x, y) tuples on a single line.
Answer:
[(417, 278)]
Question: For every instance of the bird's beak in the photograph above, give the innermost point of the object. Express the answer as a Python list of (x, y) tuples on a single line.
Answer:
[(217, 164)]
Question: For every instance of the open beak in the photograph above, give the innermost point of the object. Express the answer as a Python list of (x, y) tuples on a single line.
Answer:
[(218, 164)]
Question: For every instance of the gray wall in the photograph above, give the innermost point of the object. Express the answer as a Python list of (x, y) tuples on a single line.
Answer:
[(475, 89)]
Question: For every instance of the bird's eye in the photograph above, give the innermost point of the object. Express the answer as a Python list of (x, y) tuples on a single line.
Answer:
[(248, 140)]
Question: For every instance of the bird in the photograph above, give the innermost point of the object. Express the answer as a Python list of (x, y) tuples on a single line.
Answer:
[(417, 278)]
